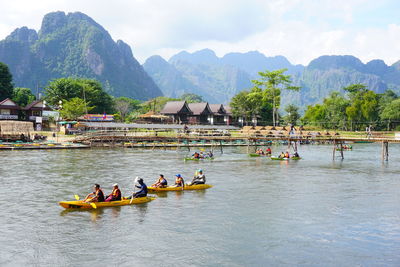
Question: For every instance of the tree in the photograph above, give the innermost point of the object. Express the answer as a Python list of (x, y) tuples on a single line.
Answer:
[(88, 90), (22, 96), (124, 106), (391, 112), (315, 115), (192, 98), (6, 86), (156, 104), (292, 114), (74, 108), (271, 83), (364, 105)]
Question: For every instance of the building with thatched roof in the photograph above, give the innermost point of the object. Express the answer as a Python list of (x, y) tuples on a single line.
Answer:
[(219, 114), (201, 113), (177, 110)]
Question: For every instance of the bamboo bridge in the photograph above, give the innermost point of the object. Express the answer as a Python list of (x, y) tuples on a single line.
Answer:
[(252, 141)]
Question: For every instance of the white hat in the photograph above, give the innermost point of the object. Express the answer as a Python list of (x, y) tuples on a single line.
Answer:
[(115, 184)]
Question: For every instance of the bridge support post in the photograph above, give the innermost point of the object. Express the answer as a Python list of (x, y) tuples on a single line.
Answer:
[(341, 150), (334, 149), (385, 151), (220, 144)]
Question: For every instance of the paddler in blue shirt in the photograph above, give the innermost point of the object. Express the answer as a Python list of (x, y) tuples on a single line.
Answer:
[(143, 189)]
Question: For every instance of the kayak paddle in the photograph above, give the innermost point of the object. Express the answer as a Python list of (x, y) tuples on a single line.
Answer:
[(76, 197), (134, 188), (93, 205)]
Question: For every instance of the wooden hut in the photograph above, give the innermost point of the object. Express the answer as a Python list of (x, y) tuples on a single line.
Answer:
[(201, 113), (177, 110), (9, 110)]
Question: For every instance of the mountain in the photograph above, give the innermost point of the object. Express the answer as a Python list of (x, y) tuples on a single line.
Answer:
[(216, 79), (224, 77), (331, 73), (75, 45), (171, 80), (253, 62)]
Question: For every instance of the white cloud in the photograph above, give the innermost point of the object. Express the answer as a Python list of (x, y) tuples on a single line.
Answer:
[(298, 29)]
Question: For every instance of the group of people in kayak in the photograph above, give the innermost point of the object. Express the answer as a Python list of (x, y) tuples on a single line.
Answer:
[(287, 155), (267, 152), (202, 155), (98, 195), (199, 178)]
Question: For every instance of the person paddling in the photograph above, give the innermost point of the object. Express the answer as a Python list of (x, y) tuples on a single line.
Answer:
[(161, 182), (268, 151), (115, 194), (179, 182), (199, 178), (142, 189), (287, 155), (96, 196)]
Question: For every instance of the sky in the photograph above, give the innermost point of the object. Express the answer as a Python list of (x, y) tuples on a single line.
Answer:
[(300, 30)]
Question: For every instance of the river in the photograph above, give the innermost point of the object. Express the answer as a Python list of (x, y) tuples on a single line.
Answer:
[(312, 212)]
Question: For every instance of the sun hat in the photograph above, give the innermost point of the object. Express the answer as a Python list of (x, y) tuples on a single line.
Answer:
[(115, 184)]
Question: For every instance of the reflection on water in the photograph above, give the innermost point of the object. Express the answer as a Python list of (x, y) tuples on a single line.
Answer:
[(315, 211)]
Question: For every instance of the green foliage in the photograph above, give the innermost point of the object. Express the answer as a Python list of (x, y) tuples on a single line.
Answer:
[(156, 104), (192, 98), (6, 86), (391, 112), (74, 108), (264, 98), (90, 90), (363, 108), (360, 108), (23, 96), (330, 114), (124, 106), (270, 83), (292, 115)]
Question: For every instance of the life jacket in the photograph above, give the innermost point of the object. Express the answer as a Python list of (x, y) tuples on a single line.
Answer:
[(100, 195), (116, 194), (179, 181)]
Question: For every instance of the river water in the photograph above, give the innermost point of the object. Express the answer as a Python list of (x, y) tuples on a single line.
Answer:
[(312, 212)]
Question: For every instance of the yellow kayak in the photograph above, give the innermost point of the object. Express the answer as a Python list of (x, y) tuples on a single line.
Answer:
[(173, 188), (79, 204)]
